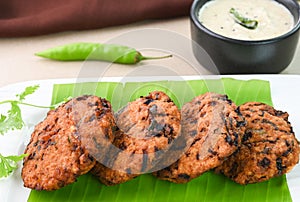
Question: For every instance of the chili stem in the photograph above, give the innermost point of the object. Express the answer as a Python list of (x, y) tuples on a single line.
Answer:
[(154, 58)]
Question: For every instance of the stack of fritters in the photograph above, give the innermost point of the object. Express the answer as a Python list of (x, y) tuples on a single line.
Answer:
[(250, 143)]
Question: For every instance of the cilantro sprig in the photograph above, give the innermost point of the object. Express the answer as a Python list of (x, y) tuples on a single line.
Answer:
[(9, 163), (13, 119)]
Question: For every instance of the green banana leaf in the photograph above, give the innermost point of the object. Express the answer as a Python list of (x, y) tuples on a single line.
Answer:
[(209, 187)]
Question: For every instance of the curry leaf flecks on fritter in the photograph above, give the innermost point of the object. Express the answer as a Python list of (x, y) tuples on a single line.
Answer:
[(148, 127), (59, 148), (213, 131), (269, 147)]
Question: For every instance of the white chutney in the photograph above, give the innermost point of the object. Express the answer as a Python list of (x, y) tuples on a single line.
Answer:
[(273, 18)]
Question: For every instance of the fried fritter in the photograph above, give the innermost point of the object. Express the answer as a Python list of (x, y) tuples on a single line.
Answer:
[(60, 146), (213, 129), (269, 147)]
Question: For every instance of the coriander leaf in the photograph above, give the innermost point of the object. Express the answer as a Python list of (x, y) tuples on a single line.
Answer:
[(9, 163), (28, 90), (243, 21), (2, 118), (13, 120)]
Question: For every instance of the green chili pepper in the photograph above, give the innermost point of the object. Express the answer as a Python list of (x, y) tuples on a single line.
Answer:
[(96, 51), (245, 22)]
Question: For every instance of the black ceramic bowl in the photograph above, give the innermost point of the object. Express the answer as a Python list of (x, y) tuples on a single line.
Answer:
[(233, 56)]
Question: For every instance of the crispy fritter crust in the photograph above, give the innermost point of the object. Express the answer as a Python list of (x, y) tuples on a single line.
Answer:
[(56, 154), (213, 129), (269, 147), (147, 126)]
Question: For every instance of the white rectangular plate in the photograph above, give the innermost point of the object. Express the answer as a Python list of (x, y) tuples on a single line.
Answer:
[(284, 91)]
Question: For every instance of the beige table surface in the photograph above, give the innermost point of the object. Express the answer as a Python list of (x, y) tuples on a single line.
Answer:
[(19, 64)]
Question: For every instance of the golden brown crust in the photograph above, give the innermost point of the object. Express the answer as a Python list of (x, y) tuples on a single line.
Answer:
[(212, 128), (109, 176), (56, 155), (146, 126), (269, 147)]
